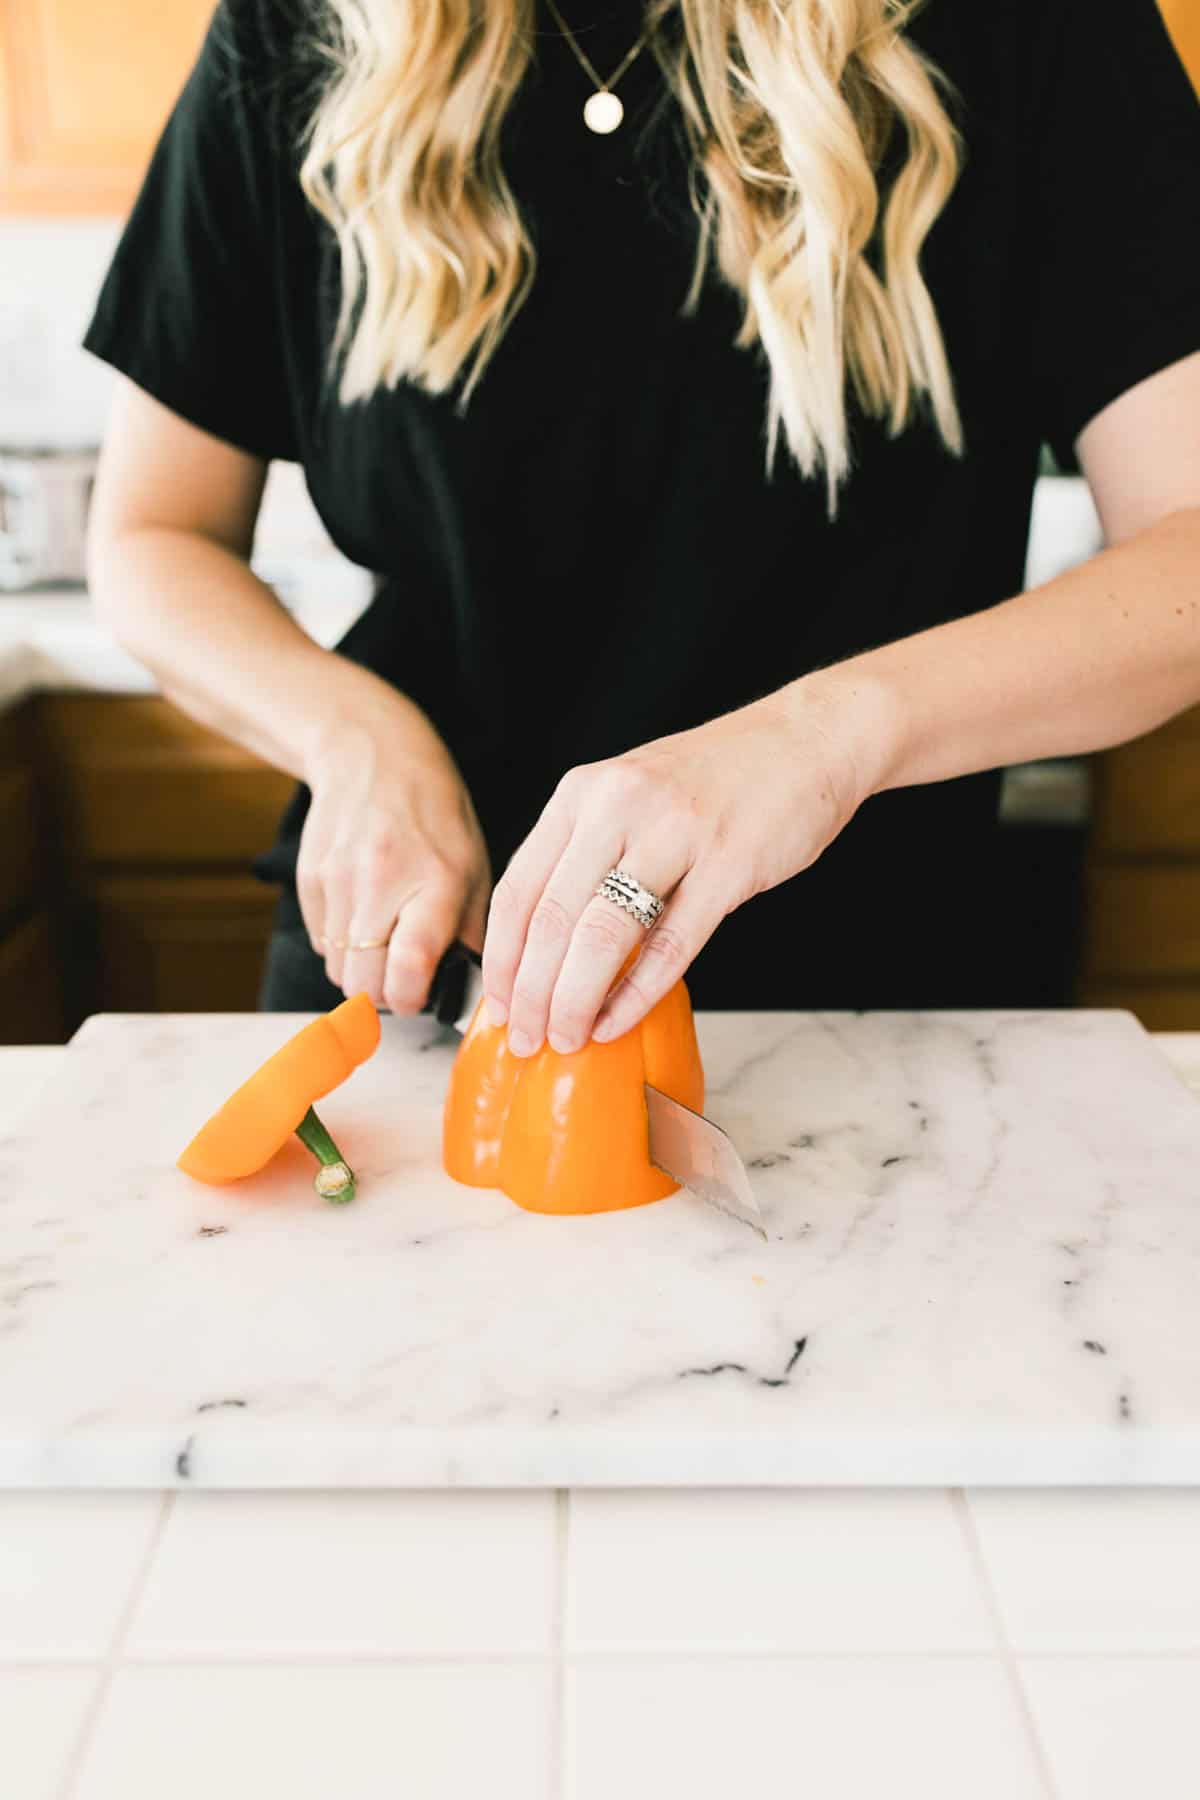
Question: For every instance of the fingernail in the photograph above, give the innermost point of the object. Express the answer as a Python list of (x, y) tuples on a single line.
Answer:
[(564, 1045), (605, 1031), (520, 1043), (497, 1012)]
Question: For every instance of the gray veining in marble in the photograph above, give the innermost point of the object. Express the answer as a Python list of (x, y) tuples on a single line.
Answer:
[(983, 1268)]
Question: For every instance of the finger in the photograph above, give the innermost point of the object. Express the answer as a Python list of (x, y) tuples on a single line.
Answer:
[(553, 922), (603, 942), (311, 897), (513, 900), (363, 970), (422, 934), (310, 891), (337, 887), (668, 952)]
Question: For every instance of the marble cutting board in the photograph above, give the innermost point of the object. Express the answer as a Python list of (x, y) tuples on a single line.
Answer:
[(983, 1268)]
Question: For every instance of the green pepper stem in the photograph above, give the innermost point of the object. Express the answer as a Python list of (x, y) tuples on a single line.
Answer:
[(334, 1180)]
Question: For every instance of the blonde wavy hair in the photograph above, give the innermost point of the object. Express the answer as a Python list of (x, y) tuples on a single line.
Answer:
[(789, 106)]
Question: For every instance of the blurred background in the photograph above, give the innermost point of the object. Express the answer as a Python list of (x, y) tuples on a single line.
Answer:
[(127, 830)]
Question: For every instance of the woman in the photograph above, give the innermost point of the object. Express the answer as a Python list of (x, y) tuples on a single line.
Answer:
[(694, 456)]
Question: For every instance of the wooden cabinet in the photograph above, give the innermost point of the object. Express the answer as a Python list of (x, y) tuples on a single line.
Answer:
[(31, 1000), (176, 943), (85, 87), (125, 880), (1142, 904), (18, 847), (157, 820), (1146, 796), (136, 783)]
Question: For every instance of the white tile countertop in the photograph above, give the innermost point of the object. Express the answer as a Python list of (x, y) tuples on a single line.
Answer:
[(840, 1643)]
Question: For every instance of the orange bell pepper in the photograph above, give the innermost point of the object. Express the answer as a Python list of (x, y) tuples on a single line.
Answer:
[(569, 1134), (277, 1100)]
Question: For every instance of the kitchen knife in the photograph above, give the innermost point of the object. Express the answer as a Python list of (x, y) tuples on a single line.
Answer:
[(683, 1144)]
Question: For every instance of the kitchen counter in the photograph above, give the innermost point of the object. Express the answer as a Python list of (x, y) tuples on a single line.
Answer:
[(1007, 1644), (50, 639)]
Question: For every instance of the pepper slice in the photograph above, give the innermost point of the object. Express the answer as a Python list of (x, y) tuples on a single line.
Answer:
[(569, 1134), (255, 1122)]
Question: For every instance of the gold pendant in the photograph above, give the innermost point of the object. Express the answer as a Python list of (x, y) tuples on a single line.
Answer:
[(603, 113)]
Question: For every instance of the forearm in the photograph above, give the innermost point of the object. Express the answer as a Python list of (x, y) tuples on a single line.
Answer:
[(1096, 657), (223, 648)]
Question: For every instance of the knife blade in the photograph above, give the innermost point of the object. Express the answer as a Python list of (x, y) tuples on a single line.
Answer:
[(683, 1144), (701, 1157)]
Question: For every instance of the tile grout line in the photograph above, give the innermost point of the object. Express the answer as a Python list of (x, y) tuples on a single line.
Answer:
[(525, 1659), (991, 1600), (558, 1641), (108, 1668)]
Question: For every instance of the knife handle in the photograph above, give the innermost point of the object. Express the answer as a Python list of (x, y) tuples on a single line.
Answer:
[(448, 989)]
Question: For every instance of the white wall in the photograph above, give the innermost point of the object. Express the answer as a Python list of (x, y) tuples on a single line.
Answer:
[(53, 392), (50, 271)]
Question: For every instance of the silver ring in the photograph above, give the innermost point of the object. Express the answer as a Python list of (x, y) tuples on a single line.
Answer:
[(641, 903)]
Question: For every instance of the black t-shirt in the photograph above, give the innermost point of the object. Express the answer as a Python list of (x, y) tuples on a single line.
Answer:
[(594, 555)]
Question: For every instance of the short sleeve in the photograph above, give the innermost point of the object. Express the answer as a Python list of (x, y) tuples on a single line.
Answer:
[(189, 309), (1116, 211)]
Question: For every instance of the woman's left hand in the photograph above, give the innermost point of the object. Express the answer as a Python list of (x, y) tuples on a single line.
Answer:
[(705, 819)]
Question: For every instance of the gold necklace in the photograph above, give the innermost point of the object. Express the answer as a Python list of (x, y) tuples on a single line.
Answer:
[(603, 111)]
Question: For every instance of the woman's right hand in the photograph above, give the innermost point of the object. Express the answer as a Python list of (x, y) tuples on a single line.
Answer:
[(391, 854), (391, 848)]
